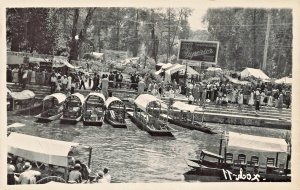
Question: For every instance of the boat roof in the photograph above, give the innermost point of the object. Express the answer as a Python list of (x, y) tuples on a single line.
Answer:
[(59, 96), (256, 143), (23, 95), (97, 94), (143, 100), (211, 154), (112, 99), (186, 107), (79, 96), (39, 149)]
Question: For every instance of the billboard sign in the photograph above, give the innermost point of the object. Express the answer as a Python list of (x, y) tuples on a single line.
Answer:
[(199, 51)]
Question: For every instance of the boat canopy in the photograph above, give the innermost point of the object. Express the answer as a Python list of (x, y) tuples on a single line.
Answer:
[(256, 143), (23, 95), (186, 107), (143, 100), (79, 96), (100, 95), (40, 149), (59, 96), (112, 99)]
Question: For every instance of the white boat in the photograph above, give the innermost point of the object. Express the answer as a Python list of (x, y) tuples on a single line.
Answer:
[(52, 107), (72, 110)]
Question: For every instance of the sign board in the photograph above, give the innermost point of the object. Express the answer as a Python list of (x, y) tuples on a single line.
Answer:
[(199, 51)]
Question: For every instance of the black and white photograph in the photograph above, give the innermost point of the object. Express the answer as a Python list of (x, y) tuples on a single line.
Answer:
[(149, 94)]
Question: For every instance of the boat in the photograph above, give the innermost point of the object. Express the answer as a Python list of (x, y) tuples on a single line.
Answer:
[(20, 102), (260, 167), (59, 154), (115, 112), (72, 109), (52, 107), (183, 115), (93, 109), (147, 116)]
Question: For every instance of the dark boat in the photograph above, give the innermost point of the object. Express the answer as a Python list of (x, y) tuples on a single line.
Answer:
[(115, 112), (52, 108), (183, 115), (214, 167), (147, 116), (93, 109), (72, 110)]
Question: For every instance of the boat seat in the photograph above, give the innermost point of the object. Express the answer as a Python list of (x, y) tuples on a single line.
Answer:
[(242, 159), (255, 161), (229, 158), (270, 162)]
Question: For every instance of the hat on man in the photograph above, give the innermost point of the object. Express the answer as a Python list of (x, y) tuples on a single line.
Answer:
[(77, 167), (27, 166), (100, 174)]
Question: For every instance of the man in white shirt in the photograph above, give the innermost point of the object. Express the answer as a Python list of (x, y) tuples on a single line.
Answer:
[(28, 176), (106, 176)]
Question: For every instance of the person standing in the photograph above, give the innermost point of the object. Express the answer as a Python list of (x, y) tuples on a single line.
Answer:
[(53, 81), (141, 87), (24, 77), (64, 83), (111, 79), (257, 101), (10, 172), (69, 82), (104, 84), (20, 75), (196, 93), (280, 101), (15, 75), (240, 98), (75, 175), (251, 100), (82, 82), (33, 75), (8, 74), (43, 77)]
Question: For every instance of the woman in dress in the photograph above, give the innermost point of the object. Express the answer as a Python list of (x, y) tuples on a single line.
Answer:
[(240, 98), (32, 80), (280, 101), (15, 72), (234, 94), (270, 100), (251, 100)]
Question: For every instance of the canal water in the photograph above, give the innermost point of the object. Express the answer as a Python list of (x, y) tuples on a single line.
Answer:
[(133, 155)]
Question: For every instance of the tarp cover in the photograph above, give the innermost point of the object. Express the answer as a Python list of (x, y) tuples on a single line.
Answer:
[(285, 80), (112, 99), (79, 96), (23, 95), (214, 69), (164, 66), (40, 149), (256, 143), (257, 73), (143, 100), (59, 62), (186, 107), (59, 96), (178, 67), (97, 94)]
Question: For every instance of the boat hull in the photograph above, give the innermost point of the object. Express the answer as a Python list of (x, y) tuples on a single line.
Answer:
[(191, 126), (152, 132), (47, 119), (70, 120), (93, 123), (115, 124)]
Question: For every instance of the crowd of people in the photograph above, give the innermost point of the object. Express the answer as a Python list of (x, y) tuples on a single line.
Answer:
[(21, 171)]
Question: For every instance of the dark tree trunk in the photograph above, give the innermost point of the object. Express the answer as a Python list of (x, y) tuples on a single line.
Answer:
[(74, 43)]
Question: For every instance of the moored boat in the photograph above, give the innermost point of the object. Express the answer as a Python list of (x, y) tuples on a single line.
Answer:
[(147, 116), (217, 167), (52, 107), (19, 102), (115, 112), (183, 115), (57, 156), (93, 109), (72, 110)]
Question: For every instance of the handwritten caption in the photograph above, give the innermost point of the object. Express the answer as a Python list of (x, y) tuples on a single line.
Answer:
[(228, 175)]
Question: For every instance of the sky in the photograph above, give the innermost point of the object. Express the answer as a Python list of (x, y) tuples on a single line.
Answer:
[(196, 18)]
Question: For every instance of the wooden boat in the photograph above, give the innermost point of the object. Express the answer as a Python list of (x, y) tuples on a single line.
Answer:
[(72, 110), (115, 112), (60, 154), (20, 101), (52, 107), (147, 116), (93, 109), (183, 115), (217, 167)]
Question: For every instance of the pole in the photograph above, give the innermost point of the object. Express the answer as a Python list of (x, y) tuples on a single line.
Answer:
[(169, 36), (90, 156), (264, 66), (220, 149), (276, 162)]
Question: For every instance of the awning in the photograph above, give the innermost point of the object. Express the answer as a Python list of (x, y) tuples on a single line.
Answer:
[(59, 96), (143, 100), (79, 96), (211, 154), (256, 143), (100, 95), (178, 67), (214, 69), (59, 62), (186, 107), (40, 149), (284, 80), (257, 73), (110, 100), (23, 95), (37, 60)]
